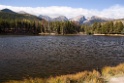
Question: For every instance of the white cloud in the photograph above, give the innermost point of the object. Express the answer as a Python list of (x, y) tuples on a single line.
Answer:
[(116, 11)]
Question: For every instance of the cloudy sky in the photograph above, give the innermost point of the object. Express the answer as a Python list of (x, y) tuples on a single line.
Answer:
[(68, 8)]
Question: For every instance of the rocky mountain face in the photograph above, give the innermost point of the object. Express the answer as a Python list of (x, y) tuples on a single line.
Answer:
[(47, 18), (60, 18), (93, 19), (79, 19), (90, 20)]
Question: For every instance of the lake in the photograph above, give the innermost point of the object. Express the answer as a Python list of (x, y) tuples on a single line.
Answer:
[(44, 56)]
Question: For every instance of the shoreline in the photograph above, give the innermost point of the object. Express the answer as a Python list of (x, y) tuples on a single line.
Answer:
[(55, 34), (108, 34)]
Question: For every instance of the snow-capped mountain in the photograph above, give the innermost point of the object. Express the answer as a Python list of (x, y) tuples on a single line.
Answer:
[(80, 19), (93, 19), (47, 18), (60, 18)]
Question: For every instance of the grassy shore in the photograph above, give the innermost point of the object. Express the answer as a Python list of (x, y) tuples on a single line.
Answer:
[(82, 77)]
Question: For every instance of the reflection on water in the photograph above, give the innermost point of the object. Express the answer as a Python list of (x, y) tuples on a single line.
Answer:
[(42, 56)]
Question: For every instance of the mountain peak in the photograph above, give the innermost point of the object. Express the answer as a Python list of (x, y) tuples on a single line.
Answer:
[(22, 12), (81, 16), (8, 11), (79, 19), (47, 18), (93, 19), (61, 18)]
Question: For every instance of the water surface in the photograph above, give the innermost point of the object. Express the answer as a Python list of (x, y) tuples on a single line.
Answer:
[(43, 56)]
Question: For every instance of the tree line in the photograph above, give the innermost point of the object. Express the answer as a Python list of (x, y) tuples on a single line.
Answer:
[(25, 26), (35, 27), (104, 28), (19, 27)]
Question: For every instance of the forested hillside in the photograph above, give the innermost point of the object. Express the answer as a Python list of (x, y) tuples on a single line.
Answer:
[(11, 22), (14, 23)]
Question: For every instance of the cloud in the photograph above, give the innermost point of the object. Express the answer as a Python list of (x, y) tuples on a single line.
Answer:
[(115, 11)]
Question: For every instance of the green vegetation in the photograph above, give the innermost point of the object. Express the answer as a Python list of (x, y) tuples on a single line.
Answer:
[(63, 27), (15, 16), (19, 23), (28, 24), (19, 27), (104, 28), (82, 77)]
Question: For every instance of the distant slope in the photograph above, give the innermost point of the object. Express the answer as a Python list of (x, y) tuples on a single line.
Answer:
[(93, 19), (9, 14), (22, 12), (80, 19), (61, 18), (47, 18), (8, 11)]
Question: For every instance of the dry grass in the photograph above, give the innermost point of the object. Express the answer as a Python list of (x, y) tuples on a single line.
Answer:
[(81, 77), (30, 80), (112, 71)]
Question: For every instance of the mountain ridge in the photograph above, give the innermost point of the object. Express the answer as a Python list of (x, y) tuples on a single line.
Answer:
[(47, 18), (81, 19), (60, 18), (8, 11), (9, 14)]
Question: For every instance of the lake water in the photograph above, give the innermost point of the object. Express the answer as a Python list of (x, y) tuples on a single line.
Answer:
[(43, 56)]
